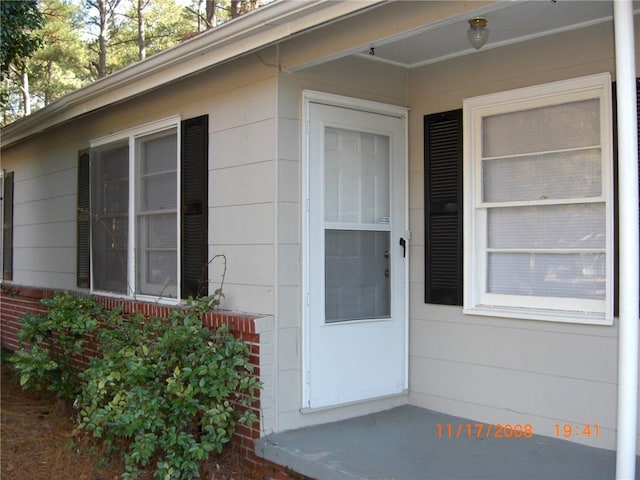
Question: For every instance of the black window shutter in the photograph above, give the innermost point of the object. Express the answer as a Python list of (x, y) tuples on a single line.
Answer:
[(194, 212), (83, 226), (616, 251), (443, 207), (7, 227)]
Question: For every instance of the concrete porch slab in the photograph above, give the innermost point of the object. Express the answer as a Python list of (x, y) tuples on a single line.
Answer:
[(403, 444)]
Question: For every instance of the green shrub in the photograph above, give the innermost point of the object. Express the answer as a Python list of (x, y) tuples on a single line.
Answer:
[(51, 342), (167, 391)]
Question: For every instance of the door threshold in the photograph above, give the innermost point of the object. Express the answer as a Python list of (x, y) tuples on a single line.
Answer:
[(310, 410)]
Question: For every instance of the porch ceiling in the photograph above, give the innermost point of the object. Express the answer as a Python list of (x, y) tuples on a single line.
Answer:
[(508, 22)]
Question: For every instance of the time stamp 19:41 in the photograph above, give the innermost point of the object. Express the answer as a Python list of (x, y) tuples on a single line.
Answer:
[(517, 430)]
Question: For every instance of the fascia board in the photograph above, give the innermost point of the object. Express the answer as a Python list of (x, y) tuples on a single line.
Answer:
[(250, 32)]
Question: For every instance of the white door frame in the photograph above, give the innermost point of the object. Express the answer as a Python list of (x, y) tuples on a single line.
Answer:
[(311, 96)]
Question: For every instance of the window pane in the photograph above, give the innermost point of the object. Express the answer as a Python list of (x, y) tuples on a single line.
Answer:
[(157, 169), (110, 179), (158, 192), (578, 226), (157, 253), (357, 283), (161, 270), (159, 275), (356, 177), (539, 177), (548, 275), (110, 209), (557, 127), (161, 231), (159, 153)]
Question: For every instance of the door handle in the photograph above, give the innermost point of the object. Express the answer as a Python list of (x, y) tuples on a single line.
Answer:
[(403, 244)]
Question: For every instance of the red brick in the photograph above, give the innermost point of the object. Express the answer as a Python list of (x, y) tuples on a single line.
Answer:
[(13, 308)]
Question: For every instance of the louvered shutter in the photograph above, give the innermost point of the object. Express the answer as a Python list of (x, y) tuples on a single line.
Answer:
[(7, 227), (616, 252), (83, 238), (194, 214), (443, 207)]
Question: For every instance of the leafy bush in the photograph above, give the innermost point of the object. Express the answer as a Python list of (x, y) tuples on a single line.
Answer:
[(52, 341), (164, 390)]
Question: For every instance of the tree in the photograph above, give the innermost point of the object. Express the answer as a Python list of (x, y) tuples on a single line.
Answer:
[(217, 12), (240, 7), (19, 39), (142, 41), (62, 64), (146, 28), (103, 16), (20, 33)]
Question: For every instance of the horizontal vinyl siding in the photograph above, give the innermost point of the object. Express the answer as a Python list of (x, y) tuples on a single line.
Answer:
[(502, 370), (242, 185), (51, 210), (517, 348), (43, 213), (242, 195), (247, 265), (244, 144), (251, 224), (45, 235), (44, 260), (503, 388)]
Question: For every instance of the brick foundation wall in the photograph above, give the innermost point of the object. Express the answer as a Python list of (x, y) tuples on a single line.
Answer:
[(17, 300)]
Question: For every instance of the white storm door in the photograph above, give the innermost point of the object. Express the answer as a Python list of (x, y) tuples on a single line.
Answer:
[(356, 255)]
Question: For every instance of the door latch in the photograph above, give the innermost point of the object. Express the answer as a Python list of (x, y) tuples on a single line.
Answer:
[(403, 244)]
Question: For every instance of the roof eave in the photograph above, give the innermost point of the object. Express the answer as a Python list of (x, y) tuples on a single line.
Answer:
[(255, 30)]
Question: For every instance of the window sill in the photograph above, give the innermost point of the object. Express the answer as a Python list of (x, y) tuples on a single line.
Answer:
[(546, 315), (166, 301)]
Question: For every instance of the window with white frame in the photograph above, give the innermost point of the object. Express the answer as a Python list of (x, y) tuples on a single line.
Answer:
[(538, 202), (134, 207)]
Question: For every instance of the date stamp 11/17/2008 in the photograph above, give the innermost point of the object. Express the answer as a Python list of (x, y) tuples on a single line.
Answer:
[(517, 430)]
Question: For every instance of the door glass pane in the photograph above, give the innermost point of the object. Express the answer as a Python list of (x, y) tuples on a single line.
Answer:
[(357, 275), (356, 175)]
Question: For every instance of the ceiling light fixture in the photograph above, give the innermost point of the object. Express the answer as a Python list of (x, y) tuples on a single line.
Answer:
[(478, 32)]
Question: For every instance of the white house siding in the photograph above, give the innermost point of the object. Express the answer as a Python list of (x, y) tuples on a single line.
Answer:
[(502, 370), (44, 212)]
